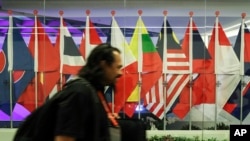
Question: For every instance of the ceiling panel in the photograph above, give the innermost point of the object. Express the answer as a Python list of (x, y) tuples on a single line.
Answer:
[(126, 14)]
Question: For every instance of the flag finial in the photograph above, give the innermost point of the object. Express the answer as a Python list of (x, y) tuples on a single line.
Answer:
[(140, 12), (35, 12), (243, 15), (88, 12), (217, 13), (61, 12), (113, 12), (191, 13), (10, 12), (165, 12)]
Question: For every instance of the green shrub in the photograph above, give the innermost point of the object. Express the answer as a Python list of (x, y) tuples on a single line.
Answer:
[(170, 138)]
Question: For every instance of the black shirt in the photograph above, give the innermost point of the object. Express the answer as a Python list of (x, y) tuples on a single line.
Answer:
[(82, 115)]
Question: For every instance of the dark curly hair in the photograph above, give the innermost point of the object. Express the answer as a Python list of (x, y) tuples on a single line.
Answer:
[(92, 71)]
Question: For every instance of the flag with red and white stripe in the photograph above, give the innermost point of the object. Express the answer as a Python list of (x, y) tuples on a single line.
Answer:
[(175, 72)]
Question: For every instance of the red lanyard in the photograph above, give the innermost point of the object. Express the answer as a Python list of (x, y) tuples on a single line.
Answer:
[(106, 107)]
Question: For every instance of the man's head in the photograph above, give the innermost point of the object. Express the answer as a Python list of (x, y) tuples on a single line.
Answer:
[(103, 65)]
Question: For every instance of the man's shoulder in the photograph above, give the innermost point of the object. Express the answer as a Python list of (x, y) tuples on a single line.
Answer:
[(74, 88), (81, 89), (76, 81)]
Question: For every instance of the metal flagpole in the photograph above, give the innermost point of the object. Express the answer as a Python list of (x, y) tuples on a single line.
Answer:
[(190, 47), (164, 67), (61, 47), (140, 60), (242, 71), (217, 83), (10, 62), (36, 59)]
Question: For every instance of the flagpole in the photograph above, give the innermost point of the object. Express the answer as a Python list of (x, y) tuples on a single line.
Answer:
[(140, 60), (216, 42), (164, 67), (10, 62), (61, 47), (242, 71), (36, 58), (190, 50), (112, 94), (87, 33)]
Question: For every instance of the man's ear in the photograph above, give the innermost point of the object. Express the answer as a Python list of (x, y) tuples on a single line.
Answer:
[(103, 63)]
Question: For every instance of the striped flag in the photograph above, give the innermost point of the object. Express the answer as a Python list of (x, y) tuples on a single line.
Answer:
[(175, 70), (155, 99), (71, 60)]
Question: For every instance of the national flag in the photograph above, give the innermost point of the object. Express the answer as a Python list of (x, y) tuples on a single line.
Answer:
[(155, 99), (149, 61), (46, 67), (175, 72), (33, 96), (202, 88), (71, 60), (238, 104), (123, 88), (174, 56), (225, 62), (90, 37), (17, 68), (42, 50), (226, 66), (195, 49)]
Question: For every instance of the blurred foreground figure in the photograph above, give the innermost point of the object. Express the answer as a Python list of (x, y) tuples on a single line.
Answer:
[(79, 112)]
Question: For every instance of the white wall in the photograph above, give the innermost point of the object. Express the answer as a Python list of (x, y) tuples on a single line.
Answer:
[(6, 134)]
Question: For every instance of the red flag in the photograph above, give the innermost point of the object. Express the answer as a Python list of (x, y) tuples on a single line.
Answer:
[(42, 49), (46, 66), (47, 56), (225, 65), (203, 84), (29, 99), (90, 38)]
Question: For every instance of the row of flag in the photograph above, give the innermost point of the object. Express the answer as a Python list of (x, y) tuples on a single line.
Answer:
[(185, 78)]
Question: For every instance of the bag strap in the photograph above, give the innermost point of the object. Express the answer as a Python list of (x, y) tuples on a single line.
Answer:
[(111, 116), (107, 109)]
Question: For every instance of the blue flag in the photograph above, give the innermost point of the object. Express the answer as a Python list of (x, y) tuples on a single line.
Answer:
[(18, 68)]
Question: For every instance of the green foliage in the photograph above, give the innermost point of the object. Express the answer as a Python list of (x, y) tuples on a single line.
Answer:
[(186, 127), (220, 126), (162, 138), (170, 138)]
